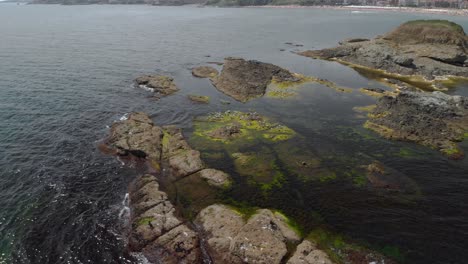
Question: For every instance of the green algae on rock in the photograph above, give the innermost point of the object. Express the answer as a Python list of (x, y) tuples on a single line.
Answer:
[(233, 238), (303, 163), (423, 53), (247, 79), (233, 126), (433, 119), (159, 84), (260, 167), (342, 250), (286, 89), (199, 98)]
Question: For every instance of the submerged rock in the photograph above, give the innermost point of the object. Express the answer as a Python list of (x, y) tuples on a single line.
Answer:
[(433, 119), (233, 126), (338, 248), (246, 79), (428, 48), (230, 238), (199, 99), (216, 178), (162, 85), (204, 72)]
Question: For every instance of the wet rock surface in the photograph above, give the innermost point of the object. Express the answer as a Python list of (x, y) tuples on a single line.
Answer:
[(204, 72), (136, 135), (232, 239), (308, 253), (425, 47), (246, 79), (216, 178), (159, 84), (156, 231), (199, 99), (433, 119)]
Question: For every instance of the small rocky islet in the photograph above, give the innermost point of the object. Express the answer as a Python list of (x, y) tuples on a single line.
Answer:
[(178, 213), (165, 232), (416, 56)]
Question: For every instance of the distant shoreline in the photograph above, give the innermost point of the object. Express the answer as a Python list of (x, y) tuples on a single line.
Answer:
[(441, 11), (436, 11)]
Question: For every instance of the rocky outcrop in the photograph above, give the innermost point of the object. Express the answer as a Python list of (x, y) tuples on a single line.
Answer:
[(231, 238), (204, 72), (428, 48), (136, 135), (433, 119), (308, 253), (156, 231), (246, 79), (159, 84)]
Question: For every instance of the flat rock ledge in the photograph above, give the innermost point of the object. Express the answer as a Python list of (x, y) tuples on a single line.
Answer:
[(427, 48), (262, 238), (205, 72), (156, 231), (432, 119), (163, 147), (247, 79), (158, 84)]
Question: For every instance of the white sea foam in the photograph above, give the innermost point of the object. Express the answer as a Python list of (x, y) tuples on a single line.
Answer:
[(147, 88), (125, 211), (140, 257), (124, 117)]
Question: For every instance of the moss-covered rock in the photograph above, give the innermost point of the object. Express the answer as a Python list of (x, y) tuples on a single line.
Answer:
[(162, 85), (247, 79), (202, 99), (260, 167), (342, 250), (231, 127), (433, 119), (418, 53)]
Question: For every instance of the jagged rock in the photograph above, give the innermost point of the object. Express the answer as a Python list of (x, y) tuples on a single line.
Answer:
[(136, 135), (156, 231), (243, 80), (173, 142), (163, 85), (204, 72), (178, 246), (185, 164), (308, 253), (433, 119), (216, 178), (424, 47), (231, 239)]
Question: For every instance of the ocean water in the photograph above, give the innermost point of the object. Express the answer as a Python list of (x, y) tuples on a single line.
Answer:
[(66, 73)]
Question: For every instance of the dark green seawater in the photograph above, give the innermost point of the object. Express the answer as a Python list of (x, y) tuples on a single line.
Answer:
[(66, 74)]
